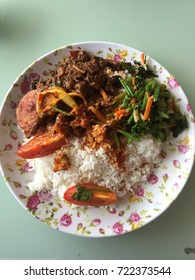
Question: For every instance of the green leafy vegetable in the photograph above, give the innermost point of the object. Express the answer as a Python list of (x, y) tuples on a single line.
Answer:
[(60, 111), (126, 87), (138, 69), (180, 126), (149, 106), (83, 194), (129, 136), (116, 138)]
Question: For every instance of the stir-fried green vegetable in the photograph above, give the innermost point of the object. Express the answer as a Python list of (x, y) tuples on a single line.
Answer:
[(146, 106)]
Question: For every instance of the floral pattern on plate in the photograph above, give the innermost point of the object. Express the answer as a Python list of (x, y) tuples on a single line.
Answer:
[(130, 213)]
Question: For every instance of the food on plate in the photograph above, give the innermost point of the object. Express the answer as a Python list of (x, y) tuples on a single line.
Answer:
[(95, 166), (42, 145), (96, 121)]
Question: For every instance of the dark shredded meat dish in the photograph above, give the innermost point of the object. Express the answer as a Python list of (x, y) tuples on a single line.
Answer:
[(73, 101)]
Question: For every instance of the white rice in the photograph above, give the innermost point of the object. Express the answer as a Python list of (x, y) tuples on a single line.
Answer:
[(93, 166)]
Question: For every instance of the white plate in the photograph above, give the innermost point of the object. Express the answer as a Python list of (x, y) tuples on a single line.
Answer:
[(151, 199)]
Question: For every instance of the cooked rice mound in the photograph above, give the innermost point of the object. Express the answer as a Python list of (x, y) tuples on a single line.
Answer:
[(89, 165)]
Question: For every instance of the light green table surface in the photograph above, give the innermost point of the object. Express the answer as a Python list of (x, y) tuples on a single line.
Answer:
[(163, 30)]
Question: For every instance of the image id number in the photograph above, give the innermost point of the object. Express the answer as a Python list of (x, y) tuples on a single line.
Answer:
[(143, 270)]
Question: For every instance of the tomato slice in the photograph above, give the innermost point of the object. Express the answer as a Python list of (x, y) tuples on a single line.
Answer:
[(89, 194), (42, 145)]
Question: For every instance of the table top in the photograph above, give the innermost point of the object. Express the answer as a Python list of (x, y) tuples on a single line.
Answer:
[(162, 29)]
